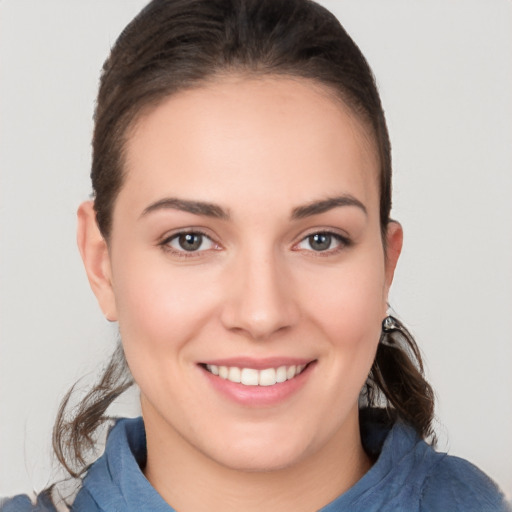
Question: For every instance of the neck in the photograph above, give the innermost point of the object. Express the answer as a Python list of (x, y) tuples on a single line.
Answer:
[(192, 482)]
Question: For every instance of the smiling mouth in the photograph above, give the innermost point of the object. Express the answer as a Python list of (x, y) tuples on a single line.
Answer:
[(253, 377)]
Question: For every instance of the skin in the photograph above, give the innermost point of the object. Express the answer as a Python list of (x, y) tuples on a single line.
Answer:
[(258, 148)]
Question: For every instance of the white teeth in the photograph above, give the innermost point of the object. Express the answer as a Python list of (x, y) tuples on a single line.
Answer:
[(253, 377), (249, 377), (281, 374), (223, 372), (267, 377), (234, 374)]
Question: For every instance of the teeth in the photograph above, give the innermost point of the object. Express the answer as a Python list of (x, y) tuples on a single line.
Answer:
[(249, 377), (234, 374), (281, 374), (267, 377), (252, 377)]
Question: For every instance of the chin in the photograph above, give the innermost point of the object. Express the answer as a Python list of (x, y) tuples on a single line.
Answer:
[(255, 463), (266, 456)]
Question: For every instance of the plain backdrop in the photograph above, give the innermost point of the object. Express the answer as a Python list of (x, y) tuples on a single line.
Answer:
[(444, 68)]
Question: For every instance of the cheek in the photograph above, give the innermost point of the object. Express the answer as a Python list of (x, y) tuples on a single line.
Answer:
[(160, 310), (349, 302), (160, 313)]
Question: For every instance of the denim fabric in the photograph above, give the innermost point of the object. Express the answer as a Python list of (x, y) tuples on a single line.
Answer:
[(409, 475)]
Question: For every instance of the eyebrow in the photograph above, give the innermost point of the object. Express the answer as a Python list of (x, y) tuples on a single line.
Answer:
[(215, 211), (194, 207), (324, 205)]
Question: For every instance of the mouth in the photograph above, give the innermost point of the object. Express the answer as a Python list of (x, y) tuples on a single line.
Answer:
[(256, 377), (255, 383)]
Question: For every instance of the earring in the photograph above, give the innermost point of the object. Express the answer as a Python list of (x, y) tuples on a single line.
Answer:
[(390, 324)]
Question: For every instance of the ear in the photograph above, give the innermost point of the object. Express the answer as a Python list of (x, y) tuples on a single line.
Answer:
[(394, 240), (94, 251)]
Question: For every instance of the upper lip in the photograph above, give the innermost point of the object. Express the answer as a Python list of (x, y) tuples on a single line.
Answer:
[(258, 363)]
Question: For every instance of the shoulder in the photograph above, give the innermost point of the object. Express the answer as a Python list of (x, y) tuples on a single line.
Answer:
[(22, 503), (456, 484), (409, 474)]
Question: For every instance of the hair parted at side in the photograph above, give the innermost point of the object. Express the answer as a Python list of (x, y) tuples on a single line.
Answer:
[(174, 45)]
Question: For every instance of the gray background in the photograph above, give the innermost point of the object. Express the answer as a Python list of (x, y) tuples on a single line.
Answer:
[(445, 72)]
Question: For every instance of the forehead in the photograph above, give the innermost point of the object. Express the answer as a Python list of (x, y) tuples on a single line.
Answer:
[(238, 137)]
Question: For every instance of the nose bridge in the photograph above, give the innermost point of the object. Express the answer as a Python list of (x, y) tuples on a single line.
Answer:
[(261, 299)]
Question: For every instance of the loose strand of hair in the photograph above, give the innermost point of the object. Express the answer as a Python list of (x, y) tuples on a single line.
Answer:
[(75, 429)]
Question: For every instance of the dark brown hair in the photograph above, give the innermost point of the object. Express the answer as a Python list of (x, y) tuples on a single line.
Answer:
[(174, 45)]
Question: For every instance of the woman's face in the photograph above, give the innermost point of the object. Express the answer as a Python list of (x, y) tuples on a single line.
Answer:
[(246, 245)]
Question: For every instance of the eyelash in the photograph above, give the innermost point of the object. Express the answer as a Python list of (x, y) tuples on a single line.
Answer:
[(343, 242), (164, 244)]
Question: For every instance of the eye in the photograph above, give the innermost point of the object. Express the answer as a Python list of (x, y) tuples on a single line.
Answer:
[(190, 241), (322, 241)]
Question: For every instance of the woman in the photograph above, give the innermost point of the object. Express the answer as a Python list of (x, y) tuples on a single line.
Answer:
[(240, 235)]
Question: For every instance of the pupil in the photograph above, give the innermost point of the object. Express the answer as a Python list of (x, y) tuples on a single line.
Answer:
[(320, 241), (190, 241)]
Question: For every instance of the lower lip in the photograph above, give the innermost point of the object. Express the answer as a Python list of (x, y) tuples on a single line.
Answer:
[(259, 396)]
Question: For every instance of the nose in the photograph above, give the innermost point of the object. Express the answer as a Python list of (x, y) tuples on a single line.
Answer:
[(260, 299)]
